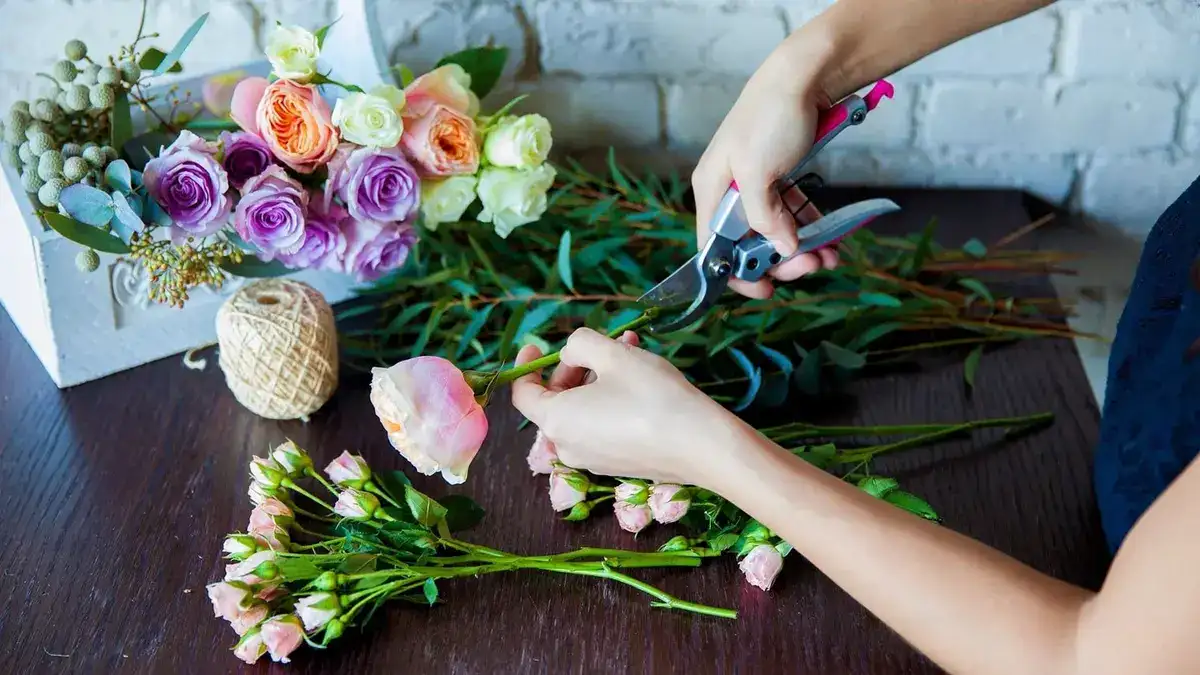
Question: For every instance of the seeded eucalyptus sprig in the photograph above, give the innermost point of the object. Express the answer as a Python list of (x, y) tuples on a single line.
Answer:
[(608, 238)]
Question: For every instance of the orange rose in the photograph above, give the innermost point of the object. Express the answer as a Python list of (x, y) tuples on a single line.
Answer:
[(449, 85), (442, 142), (292, 118)]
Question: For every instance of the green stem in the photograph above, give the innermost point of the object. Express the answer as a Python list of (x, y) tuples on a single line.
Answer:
[(665, 600), (864, 454), (313, 473), (291, 485), (310, 514), (805, 430), (376, 490)]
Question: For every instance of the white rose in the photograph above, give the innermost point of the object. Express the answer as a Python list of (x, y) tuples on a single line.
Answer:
[(445, 200), (372, 119), (292, 52), (513, 197), (518, 141)]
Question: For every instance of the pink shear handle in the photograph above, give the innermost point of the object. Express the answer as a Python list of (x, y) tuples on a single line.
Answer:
[(833, 120)]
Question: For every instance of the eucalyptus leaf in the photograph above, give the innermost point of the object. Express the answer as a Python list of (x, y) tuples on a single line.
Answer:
[(753, 376), (971, 365), (977, 287), (173, 56), (843, 357), (121, 122), (564, 260), (86, 235), (478, 321), (153, 57), (879, 299), (118, 176), (87, 204), (252, 267), (125, 221), (975, 248)]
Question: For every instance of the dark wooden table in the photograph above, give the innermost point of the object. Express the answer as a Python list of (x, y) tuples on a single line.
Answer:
[(115, 496)]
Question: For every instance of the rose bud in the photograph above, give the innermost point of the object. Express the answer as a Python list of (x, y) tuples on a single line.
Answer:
[(317, 609), (239, 546), (256, 569), (565, 489), (632, 517), (349, 470), (259, 494), (431, 415), (761, 566), (275, 539), (266, 472), (664, 506), (292, 459), (249, 618), (675, 544), (251, 647), (580, 511), (282, 635), (271, 591), (270, 514), (227, 598), (542, 455), (356, 504)]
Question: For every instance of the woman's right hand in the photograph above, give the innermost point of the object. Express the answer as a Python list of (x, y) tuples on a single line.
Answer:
[(765, 135)]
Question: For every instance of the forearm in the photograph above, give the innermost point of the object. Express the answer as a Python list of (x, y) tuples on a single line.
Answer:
[(966, 606), (856, 42)]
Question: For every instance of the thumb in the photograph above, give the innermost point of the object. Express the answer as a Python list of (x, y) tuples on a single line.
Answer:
[(767, 214), (529, 395)]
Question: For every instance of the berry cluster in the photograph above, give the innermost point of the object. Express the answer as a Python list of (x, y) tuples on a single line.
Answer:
[(60, 138)]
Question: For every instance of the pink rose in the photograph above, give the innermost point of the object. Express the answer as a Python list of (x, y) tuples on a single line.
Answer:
[(270, 514), (292, 118), (630, 516), (266, 472), (448, 85), (274, 538), (259, 494), (761, 566), (542, 455), (430, 414), (249, 618), (271, 591), (348, 470), (565, 490), (217, 92), (227, 598), (251, 647), (317, 609), (356, 505), (665, 510), (442, 142), (239, 546), (245, 570), (282, 635)]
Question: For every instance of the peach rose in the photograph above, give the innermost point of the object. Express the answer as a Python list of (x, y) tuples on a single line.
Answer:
[(442, 142), (448, 85), (292, 118), (761, 566)]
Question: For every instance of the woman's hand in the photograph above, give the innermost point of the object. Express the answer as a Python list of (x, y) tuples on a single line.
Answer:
[(766, 133), (615, 409)]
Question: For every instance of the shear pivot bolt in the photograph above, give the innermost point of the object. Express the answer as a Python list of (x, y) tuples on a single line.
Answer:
[(722, 267)]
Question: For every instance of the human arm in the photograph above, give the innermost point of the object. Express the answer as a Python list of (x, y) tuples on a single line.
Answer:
[(771, 125), (970, 608)]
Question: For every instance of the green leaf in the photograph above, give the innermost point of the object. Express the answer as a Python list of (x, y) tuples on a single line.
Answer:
[(537, 317), (86, 235), (971, 365), (975, 248), (211, 125), (407, 536), (87, 204), (125, 219), (879, 299), (435, 318), (404, 75), (617, 175), (878, 486), (430, 590), (819, 456), (462, 512), (564, 260), (753, 374), (477, 322), (392, 482), (977, 287), (252, 267), (176, 52), (912, 503), (119, 177), (913, 264), (843, 357), (297, 568), (427, 511), (872, 334), (153, 57), (321, 33), (483, 64), (808, 375), (722, 542), (122, 123)]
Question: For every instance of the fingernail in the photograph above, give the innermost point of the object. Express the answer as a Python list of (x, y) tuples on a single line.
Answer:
[(785, 247)]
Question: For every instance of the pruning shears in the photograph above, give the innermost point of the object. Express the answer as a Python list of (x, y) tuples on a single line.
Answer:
[(700, 281)]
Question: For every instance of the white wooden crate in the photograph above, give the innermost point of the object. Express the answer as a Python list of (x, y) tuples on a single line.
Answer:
[(84, 326)]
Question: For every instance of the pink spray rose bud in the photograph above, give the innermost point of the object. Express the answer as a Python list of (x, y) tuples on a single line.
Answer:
[(251, 647), (631, 516), (239, 546), (292, 458), (283, 635), (761, 566), (259, 494), (664, 506), (565, 488), (270, 514), (542, 455), (275, 539), (430, 414), (318, 609), (266, 472), (249, 618), (270, 591), (348, 470), (228, 598), (256, 569), (356, 504)]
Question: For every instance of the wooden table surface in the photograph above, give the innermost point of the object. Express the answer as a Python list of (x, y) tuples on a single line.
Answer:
[(115, 496)]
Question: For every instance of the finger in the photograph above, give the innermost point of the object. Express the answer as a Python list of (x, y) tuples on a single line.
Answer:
[(529, 396), (629, 338), (566, 377), (755, 290), (766, 212), (710, 181), (588, 349), (829, 257), (802, 208), (790, 270)]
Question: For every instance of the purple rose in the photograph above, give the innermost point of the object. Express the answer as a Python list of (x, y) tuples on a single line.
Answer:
[(246, 156), (374, 184), (324, 242), (374, 249), (270, 215), (189, 184)]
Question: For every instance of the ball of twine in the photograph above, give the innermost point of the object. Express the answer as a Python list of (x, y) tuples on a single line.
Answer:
[(278, 348)]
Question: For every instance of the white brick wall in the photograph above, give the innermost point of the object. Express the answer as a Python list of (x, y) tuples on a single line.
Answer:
[(1091, 103)]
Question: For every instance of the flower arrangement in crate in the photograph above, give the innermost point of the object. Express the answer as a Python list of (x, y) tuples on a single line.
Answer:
[(279, 180)]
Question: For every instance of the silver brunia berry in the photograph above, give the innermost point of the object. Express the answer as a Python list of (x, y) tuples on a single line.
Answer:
[(87, 261)]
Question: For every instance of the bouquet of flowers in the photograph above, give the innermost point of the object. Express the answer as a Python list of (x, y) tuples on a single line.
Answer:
[(282, 179)]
